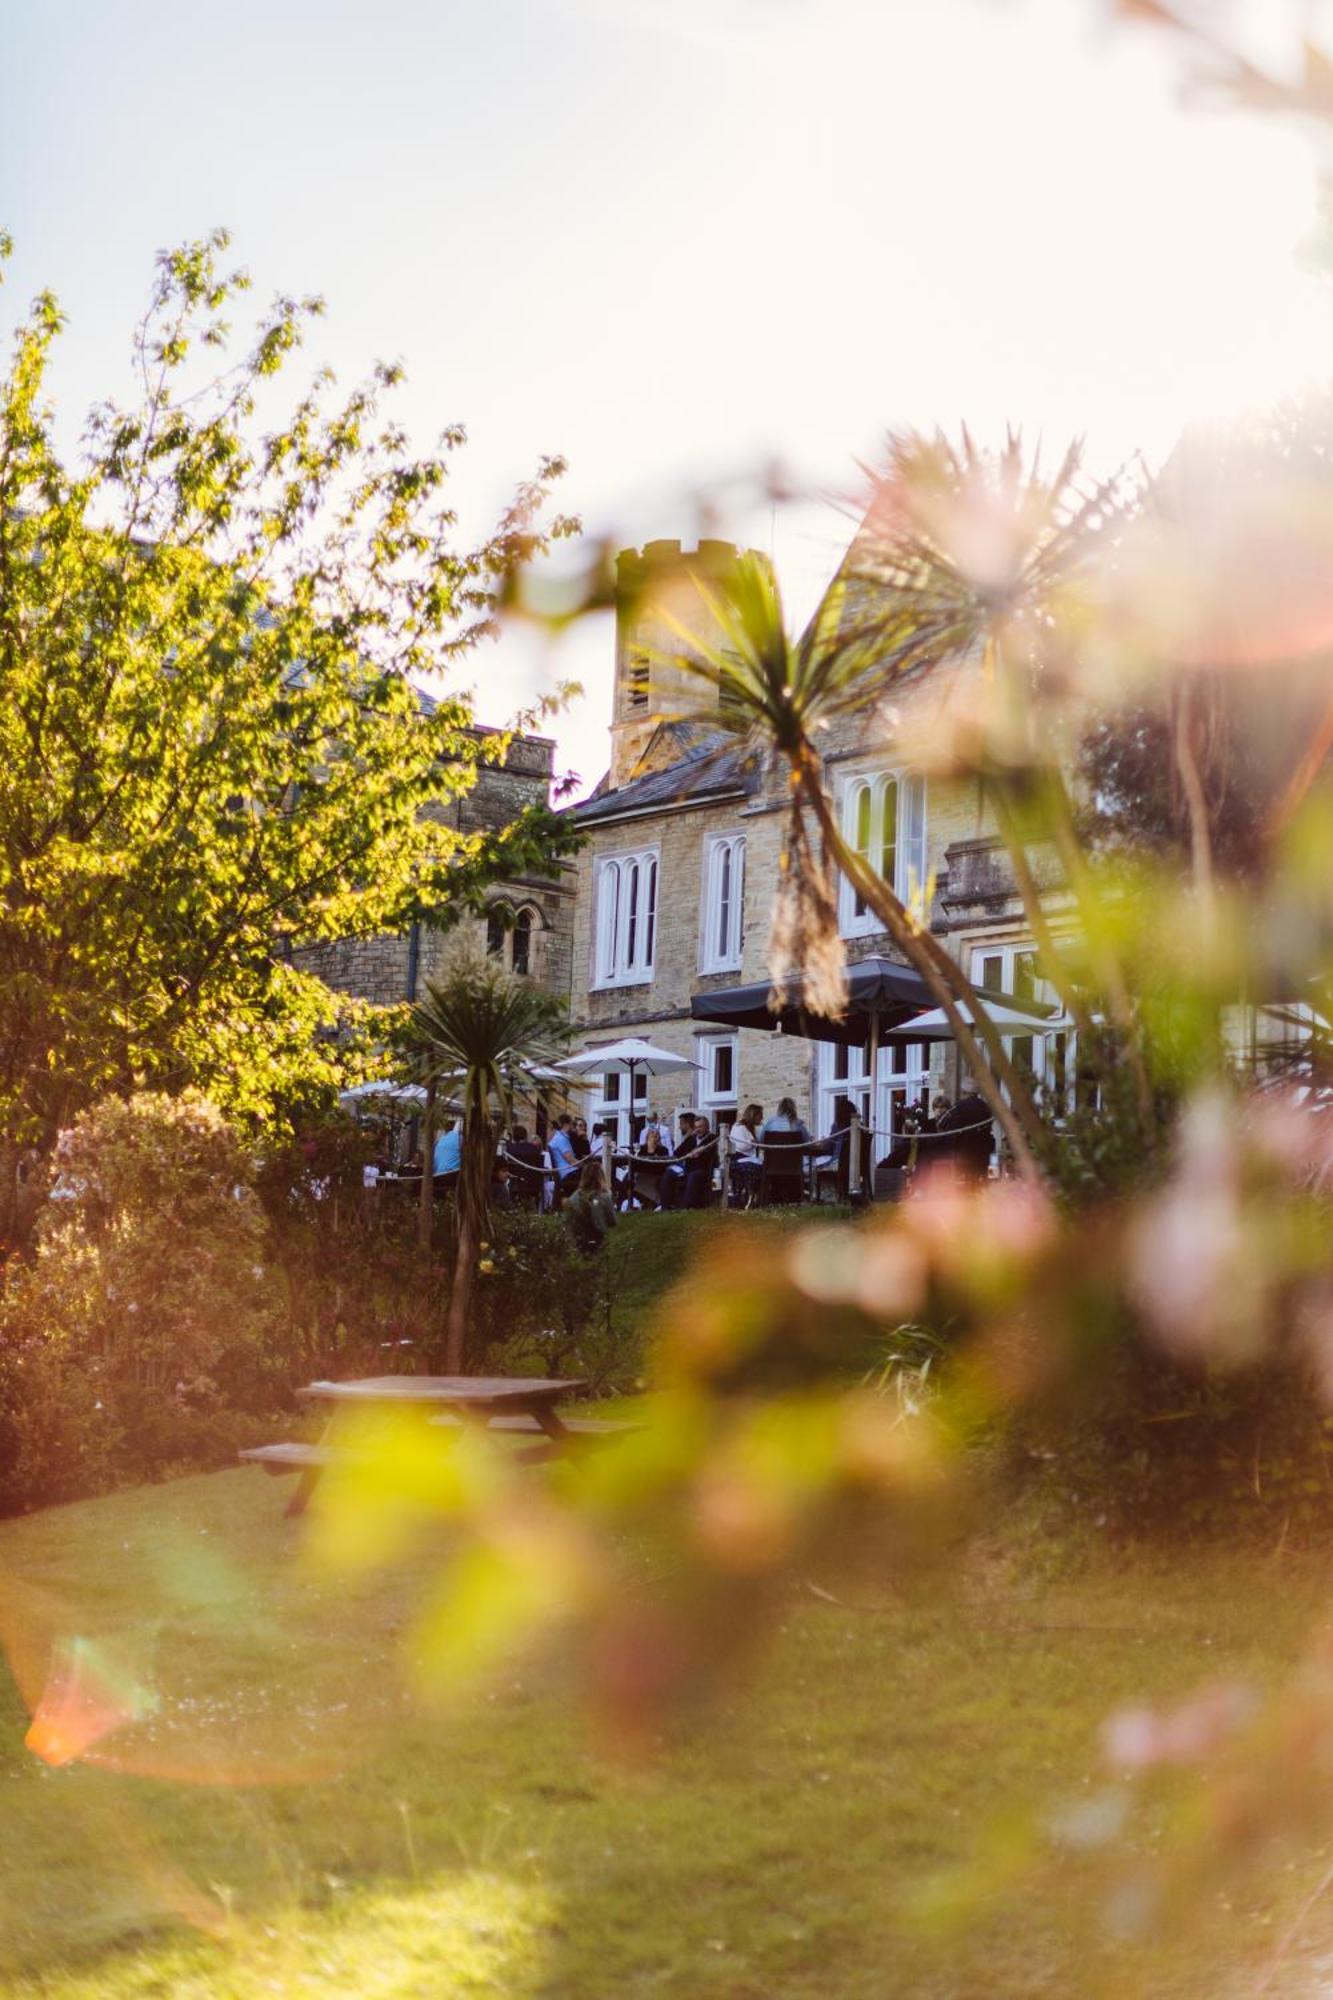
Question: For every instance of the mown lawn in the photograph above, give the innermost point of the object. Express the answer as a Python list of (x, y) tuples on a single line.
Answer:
[(290, 1820)]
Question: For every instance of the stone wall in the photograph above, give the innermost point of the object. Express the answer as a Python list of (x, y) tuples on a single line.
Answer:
[(390, 969)]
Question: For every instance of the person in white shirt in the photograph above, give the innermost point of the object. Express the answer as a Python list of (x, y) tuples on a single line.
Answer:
[(743, 1138)]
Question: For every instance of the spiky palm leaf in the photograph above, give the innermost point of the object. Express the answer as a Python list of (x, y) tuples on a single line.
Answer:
[(776, 695), (966, 552), (773, 696), (481, 1033)]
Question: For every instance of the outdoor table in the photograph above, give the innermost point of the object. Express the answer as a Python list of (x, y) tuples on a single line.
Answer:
[(477, 1396), (515, 1402)]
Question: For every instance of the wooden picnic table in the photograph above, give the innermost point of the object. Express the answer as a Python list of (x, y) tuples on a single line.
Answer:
[(478, 1396), (506, 1402)]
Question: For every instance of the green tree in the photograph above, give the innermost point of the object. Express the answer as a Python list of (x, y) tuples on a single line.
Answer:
[(479, 1035), (211, 751)]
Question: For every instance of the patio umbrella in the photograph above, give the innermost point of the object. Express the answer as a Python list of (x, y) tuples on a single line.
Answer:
[(879, 991), (1008, 1017), (412, 1094), (631, 1056)]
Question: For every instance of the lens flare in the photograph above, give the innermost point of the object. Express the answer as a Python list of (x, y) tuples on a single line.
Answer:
[(90, 1694)]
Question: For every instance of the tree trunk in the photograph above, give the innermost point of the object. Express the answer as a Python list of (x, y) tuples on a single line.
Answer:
[(460, 1299), (473, 1207), (1017, 1115)]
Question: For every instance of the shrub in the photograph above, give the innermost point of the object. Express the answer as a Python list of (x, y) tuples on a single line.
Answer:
[(148, 1307), (541, 1307)]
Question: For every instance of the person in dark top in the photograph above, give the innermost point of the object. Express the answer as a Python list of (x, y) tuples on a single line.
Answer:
[(527, 1161), (971, 1136), (579, 1140), (673, 1180), (699, 1167)]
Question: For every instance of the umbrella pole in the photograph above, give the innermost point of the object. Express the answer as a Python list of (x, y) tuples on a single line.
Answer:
[(629, 1184)]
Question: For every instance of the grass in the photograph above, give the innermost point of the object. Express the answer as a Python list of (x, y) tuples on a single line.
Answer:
[(288, 1819), (653, 1252)]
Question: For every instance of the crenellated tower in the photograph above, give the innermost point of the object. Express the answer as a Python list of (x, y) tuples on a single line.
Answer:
[(661, 590)]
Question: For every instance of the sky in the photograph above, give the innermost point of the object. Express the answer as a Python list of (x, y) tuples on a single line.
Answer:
[(680, 241)]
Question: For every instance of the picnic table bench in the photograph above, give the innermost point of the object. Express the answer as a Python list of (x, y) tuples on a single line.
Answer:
[(509, 1404)]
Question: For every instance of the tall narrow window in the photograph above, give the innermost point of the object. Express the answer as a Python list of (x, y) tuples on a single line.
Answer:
[(911, 861), (862, 836), (522, 950), (888, 831), (626, 920), (884, 819), (718, 1078), (632, 872), (1012, 972), (723, 898), (722, 927)]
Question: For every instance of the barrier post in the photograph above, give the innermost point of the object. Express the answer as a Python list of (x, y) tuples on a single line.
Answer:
[(607, 1144), (854, 1178)]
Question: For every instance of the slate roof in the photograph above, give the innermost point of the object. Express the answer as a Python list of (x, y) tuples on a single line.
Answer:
[(711, 765)]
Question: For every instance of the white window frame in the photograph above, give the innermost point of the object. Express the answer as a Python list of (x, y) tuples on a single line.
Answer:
[(709, 1098), (625, 918), (722, 919), (612, 1105), (1051, 1057), (902, 1077), (862, 810)]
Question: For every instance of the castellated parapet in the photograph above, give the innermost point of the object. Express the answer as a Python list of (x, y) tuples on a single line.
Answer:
[(662, 596)]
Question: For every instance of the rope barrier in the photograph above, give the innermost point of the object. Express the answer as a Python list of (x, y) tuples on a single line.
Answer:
[(812, 1147)]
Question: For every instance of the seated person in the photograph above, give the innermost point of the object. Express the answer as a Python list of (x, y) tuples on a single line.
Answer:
[(448, 1155), (699, 1167), (527, 1162), (971, 1136), (564, 1159), (673, 1180), (652, 1123), (784, 1128), (743, 1139), (652, 1145), (906, 1151), (590, 1211), (525, 1150), (834, 1145), (501, 1188), (835, 1162)]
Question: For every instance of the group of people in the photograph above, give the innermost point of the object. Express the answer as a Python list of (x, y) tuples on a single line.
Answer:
[(667, 1172), (960, 1136)]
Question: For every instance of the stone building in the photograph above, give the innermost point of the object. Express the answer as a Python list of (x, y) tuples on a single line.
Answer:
[(680, 858), (528, 921)]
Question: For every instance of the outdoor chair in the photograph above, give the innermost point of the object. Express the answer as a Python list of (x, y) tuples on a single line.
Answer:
[(833, 1178), (781, 1173)]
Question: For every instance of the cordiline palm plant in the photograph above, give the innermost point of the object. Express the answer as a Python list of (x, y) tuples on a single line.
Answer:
[(777, 695), (481, 1034), (973, 554)]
